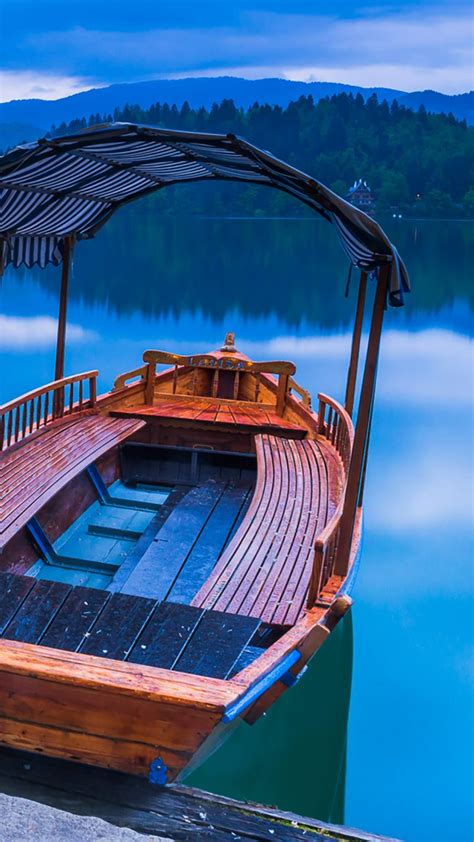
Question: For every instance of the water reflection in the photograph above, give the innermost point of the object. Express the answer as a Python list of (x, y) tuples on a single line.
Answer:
[(181, 284), (293, 269)]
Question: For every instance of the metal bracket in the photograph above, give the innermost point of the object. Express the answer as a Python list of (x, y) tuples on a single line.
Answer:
[(290, 679), (158, 772)]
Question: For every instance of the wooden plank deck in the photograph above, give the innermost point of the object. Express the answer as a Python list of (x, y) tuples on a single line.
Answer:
[(174, 812), (265, 569), (209, 412), (122, 627), (33, 471)]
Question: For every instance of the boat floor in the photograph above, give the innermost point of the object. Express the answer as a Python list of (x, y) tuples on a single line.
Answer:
[(126, 628), (209, 412)]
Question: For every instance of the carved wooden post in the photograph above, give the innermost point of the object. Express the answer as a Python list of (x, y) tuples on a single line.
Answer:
[(150, 384), (93, 390), (362, 426), (355, 349), (281, 395)]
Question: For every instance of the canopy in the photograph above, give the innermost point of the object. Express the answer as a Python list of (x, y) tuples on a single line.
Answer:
[(70, 186)]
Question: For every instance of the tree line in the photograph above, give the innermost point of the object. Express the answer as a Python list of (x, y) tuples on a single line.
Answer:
[(417, 163)]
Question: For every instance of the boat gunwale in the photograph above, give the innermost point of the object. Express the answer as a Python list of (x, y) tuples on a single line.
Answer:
[(173, 687)]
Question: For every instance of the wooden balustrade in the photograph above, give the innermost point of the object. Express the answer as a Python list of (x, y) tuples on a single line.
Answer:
[(335, 424), (122, 380), (25, 415), (303, 394)]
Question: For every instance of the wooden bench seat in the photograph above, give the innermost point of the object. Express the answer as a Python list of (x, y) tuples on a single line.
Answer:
[(243, 417), (33, 471), (265, 570)]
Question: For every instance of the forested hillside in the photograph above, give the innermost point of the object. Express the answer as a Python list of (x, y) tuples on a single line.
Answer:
[(415, 162)]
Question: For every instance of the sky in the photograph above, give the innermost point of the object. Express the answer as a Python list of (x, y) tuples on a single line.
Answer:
[(51, 48)]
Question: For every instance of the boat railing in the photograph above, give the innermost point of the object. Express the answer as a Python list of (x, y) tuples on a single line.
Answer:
[(335, 424), (303, 394), (122, 380), (34, 410)]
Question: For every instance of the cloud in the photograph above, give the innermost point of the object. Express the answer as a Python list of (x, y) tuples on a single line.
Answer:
[(26, 84), (412, 49), (24, 333), (423, 486)]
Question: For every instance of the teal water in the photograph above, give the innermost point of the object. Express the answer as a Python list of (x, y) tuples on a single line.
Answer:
[(279, 284)]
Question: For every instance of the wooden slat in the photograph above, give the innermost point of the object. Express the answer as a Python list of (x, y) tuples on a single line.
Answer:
[(231, 569), (212, 539), (37, 611), (117, 627), (161, 564), (281, 540), (217, 644), (74, 618), (42, 474), (13, 590), (243, 415), (166, 635), (265, 569)]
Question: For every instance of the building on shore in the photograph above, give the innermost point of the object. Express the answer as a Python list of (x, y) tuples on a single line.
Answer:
[(361, 195)]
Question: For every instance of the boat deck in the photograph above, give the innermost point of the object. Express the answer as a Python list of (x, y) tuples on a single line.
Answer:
[(125, 628), (209, 412)]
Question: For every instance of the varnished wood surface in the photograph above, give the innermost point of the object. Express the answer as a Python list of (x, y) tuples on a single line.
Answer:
[(265, 570), (33, 472), (212, 412)]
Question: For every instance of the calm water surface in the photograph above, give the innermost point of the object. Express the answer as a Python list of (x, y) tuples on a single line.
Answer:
[(180, 285)]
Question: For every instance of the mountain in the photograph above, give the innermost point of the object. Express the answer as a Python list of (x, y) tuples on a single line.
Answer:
[(34, 114)]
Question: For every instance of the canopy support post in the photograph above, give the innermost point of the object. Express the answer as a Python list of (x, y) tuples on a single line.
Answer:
[(362, 431), (355, 348), (61, 335)]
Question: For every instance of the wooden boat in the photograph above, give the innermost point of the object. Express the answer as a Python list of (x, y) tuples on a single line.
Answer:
[(174, 551)]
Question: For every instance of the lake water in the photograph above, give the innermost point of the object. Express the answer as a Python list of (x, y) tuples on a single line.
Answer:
[(180, 285)]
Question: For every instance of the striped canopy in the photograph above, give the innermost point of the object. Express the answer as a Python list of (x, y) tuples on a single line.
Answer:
[(70, 186)]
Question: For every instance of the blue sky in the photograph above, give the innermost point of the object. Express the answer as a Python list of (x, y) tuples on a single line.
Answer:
[(51, 48)]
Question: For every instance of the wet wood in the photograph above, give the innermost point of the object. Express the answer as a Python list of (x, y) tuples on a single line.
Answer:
[(28, 414), (13, 591), (216, 413), (34, 473), (117, 627), (37, 611), (265, 570), (166, 635), (217, 644), (177, 812), (74, 619)]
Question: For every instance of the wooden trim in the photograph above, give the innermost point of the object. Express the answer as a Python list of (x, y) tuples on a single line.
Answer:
[(304, 394), (355, 349), (362, 426), (281, 394), (150, 383), (219, 360), (28, 414), (48, 387), (124, 678), (121, 381)]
